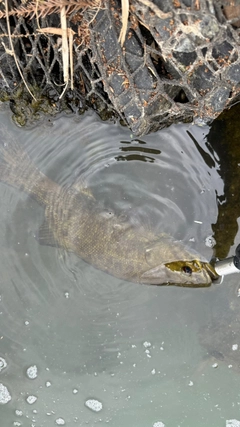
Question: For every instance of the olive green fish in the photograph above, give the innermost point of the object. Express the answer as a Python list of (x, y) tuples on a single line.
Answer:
[(118, 245)]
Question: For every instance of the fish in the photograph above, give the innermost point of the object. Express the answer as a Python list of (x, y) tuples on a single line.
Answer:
[(114, 243)]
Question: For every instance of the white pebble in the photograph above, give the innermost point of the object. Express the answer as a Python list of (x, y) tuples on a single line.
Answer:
[(234, 347), (19, 413), (48, 384), (93, 404), (60, 422), (158, 424), (215, 365), (146, 344), (4, 394), (210, 242), (17, 423), (232, 423), (32, 372), (190, 383), (153, 372), (31, 399), (3, 363)]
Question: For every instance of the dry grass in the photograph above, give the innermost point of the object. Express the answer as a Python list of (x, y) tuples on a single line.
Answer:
[(125, 13), (41, 8)]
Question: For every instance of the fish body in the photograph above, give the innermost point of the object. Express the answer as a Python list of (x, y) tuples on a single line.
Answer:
[(116, 244)]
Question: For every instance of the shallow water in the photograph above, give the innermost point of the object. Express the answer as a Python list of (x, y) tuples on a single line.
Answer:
[(143, 352)]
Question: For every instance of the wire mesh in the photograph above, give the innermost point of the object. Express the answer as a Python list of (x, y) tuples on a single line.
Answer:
[(180, 61)]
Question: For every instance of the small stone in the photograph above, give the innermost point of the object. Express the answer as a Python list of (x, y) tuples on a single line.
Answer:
[(32, 372), (235, 347), (94, 405), (147, 344), (5, 396), (232, 423), (3, 363), (31, 399), (210, 242), (60, 422)]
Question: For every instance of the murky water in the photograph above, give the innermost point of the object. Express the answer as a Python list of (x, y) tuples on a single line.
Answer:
[(79, 347)]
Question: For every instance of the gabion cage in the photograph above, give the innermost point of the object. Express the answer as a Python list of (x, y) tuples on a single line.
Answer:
[(179, 61)]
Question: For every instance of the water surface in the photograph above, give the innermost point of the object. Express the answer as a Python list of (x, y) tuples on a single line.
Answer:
[(70, 333)]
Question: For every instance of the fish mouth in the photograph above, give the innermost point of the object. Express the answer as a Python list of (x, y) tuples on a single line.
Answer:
[(210, 270)]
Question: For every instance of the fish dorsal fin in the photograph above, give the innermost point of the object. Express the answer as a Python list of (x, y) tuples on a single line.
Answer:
[(45, 235)]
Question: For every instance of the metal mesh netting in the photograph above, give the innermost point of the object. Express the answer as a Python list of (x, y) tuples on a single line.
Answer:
[(180, 60)]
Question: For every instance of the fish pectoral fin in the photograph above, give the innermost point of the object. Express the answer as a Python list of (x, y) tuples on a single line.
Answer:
[(80, 186), (45, 235)]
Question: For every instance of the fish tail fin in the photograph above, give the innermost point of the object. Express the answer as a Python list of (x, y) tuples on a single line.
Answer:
[(16, 167), (10, 149)]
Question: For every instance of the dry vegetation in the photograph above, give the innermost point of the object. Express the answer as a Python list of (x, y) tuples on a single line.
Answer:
[(42, 8)]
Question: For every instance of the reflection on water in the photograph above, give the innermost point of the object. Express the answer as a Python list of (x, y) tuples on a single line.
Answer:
[(221, 335), (142, 157), (224, 138), (79, 347)]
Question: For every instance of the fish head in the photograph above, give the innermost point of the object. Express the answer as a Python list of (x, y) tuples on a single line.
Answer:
[(172, 263)]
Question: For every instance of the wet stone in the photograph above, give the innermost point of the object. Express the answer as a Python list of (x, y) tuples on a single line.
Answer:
[(186, 58), (3, 363), (31, 399), (185, 45), (233, 73), (209, 27), (32, 372), (222, 50), (94, 405), (109, 45), (60, 422), (219, 98), (202, 79), (162, 27), (5, 396), (232, 423), (143, 79)]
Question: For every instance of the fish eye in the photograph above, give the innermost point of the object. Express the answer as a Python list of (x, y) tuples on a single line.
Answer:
[(186, 269)]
